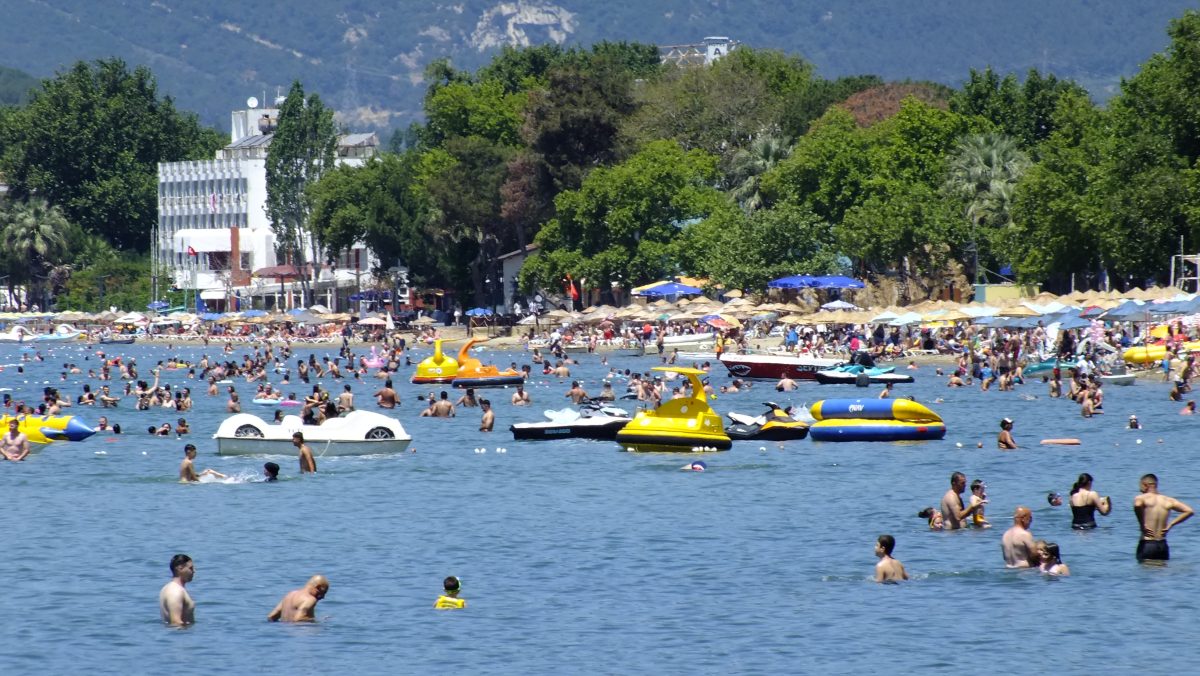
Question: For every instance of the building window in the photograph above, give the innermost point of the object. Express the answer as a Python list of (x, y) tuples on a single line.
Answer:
[(247, 259)]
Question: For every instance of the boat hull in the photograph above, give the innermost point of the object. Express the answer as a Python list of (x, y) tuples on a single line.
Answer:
[(488, 381), (587, 428), (117, 341), (775, 367), (667, 442), (844, 378), (259, 446), (1122, 380)]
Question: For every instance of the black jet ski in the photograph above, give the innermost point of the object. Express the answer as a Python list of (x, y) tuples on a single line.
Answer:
[(593, 420), (775, 425)]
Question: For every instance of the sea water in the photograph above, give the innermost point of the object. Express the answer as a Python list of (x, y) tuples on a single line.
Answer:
[(578, 558)]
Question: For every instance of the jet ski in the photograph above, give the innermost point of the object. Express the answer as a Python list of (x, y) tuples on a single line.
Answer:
[(774, 425), (848, 375), (593, 420)]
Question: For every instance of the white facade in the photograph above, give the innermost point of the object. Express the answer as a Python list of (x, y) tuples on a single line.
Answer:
[(217, 208)]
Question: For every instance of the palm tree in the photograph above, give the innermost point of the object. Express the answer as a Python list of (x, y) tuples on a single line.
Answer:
[(983, 172), (749, 164), (33, 233)]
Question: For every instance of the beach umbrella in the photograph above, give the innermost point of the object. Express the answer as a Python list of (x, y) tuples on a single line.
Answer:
[(426, 321), (792, 282), (478, 312), (670, 289), (840, 305), (1018, 311), (372, 321), (837, 282)]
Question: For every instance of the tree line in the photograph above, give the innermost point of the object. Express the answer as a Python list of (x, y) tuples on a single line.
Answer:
[(623, 171)]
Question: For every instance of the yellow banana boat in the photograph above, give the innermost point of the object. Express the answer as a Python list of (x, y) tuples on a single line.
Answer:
[(678, 425), (44, 429)]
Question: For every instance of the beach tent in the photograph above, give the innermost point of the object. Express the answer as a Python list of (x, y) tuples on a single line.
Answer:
[(837, 282), (669, 289), (793, 282)]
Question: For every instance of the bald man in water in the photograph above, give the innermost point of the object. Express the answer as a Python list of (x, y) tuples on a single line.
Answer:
[(1017, 545), (300, 605), (1152, 509)]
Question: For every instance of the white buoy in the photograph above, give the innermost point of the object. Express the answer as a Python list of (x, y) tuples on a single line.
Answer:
[(1139, 441), (959, 444)]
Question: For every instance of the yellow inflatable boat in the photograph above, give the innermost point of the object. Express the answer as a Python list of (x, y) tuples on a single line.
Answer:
[(679, 425), (436, 369), (41, 429)]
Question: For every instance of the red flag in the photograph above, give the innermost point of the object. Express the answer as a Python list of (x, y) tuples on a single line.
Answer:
[(192, 252)]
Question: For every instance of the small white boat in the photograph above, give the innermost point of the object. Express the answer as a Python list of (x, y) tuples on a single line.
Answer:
[(359, 433), (62, 332), (1120, 379), (698, 356), (695, 341)]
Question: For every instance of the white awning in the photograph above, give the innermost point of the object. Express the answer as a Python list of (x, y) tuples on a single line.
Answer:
[(213, 294), (202, 239)]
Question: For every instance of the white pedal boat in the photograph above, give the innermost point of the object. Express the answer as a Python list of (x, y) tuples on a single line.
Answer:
[(359, 433)]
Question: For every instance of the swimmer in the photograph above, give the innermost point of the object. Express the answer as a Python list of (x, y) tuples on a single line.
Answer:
[(449, 599), (888, 569), (14, 444), (696, 466), (1133, 423), (489, 416), (270, 471), (300, 605), (187, 468), (1085, 502), (1054, 499), (1189, 408), (1051, 561), (1017, 545), (308, 465), (1005, 439), (1153, 509), (978, 501), (953, 512), (174, 603), (936, 521)]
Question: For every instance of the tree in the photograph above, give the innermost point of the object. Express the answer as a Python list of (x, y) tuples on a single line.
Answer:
[(468, 230), (301, 150), (1021, 111), (623, 223), (89, 142), (33, 237), (750, 164), (983, 171)]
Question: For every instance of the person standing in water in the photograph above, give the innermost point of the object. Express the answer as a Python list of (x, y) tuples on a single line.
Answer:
[(174, 603), (489, 416), (1005, 439), (308, 465), (888, 569), (300, 605), (14, 445), (1018, 547), (187, 468), (954, 515), (1085, 502), (1153, 509)]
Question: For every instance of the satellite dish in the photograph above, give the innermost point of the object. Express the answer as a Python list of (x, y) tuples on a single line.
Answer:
[(251, 102), (538, 298)]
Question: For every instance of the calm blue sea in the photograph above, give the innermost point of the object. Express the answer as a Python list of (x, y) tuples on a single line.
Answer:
[(577, 558)]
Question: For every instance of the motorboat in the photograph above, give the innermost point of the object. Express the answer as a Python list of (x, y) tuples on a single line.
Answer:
[(874, 420), (473, 373), (436, 369), (1118, 376), (117, 340), (848, 375), (45, 429), (61, 332), (687, 424), (774, 425), (358, 433), (776, 366), (689, 340), (593, 420), (697, 356), (1048, 365)]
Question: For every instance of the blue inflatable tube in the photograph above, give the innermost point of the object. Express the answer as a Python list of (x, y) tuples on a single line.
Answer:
[(902, 410), (875, 430)]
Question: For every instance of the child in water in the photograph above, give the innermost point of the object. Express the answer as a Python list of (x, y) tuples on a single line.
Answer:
[(888, 569), (979, 497), (449, 599)]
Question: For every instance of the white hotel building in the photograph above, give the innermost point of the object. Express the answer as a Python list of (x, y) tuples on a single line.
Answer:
[(217, 208)]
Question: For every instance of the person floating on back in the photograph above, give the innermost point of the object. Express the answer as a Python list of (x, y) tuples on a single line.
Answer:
[(449, 599)]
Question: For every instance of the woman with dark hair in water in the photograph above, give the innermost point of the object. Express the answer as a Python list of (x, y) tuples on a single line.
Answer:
[(1085, 502)]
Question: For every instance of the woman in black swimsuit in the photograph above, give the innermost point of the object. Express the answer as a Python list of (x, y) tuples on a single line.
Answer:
[(1085, 502)]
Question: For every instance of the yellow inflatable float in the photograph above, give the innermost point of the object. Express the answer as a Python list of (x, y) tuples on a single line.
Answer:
[(436, 369), (473, 373), (44, 429), (678, 425)]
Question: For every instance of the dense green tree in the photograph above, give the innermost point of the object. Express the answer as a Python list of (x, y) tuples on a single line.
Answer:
[(623, 222), (89, 141), (33, 244), (1052, 236), (983, 172), (1023, 111), (749, 164), (469, 230), (120, 281), (826, 169), (804, 105), (301, 150), (784, 240), (15, 86), (483, 109)]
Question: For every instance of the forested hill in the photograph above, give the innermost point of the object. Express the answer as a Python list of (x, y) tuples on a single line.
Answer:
[(366, 57)]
